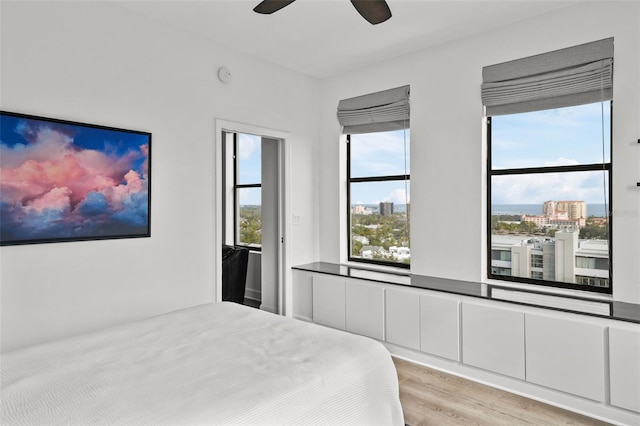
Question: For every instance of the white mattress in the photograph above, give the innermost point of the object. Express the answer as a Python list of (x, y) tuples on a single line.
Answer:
[(219, 363)]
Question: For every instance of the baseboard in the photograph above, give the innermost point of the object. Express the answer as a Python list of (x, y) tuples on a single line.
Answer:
[(302, 318), (253, 294)]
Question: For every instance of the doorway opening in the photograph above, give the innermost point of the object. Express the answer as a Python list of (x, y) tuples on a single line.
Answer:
[(251, 207)]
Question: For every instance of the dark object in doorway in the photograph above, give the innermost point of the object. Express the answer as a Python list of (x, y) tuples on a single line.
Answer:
[(234, 273)]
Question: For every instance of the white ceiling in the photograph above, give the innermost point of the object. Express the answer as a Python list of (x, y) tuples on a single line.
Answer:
[(322, 38)]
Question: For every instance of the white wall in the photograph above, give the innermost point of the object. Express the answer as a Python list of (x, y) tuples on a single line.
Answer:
[(270, 260), (253, 289), (98, 63), (448, 197)]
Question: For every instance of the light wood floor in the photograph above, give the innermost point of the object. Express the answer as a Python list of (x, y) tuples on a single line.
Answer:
[(430, 397)]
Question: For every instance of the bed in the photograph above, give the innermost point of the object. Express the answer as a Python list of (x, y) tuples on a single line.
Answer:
[(218, 363)]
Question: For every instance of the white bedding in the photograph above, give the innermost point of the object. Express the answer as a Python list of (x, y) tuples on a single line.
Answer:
[(219, 363)]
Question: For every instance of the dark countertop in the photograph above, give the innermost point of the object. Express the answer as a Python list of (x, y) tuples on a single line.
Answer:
[(619, 311)]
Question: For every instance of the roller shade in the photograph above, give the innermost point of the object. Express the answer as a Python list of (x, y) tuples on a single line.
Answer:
[(573, 76), (376, 112)]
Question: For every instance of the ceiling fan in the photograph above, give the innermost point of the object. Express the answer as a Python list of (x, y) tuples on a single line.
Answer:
[(374, 11)]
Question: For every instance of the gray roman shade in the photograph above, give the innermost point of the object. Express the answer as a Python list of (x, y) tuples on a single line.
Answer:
[(377, 112), (573, 76)]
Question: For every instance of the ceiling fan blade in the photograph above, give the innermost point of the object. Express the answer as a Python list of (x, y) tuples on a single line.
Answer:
[(374, 11), (267, 7)]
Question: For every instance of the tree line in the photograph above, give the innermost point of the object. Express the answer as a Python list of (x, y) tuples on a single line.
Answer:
[(380, 231), (512, 224)]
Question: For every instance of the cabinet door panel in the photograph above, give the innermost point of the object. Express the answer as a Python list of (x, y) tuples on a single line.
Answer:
[(403, 318), (566, 355), (365, 309), (329, 301), (493, 339), (624, 364), (439, 327), (302, 295)]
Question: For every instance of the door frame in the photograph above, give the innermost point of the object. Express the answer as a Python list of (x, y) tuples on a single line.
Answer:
[(285, 298)]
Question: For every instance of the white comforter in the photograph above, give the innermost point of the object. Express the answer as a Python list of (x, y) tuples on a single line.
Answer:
[(219, 363)]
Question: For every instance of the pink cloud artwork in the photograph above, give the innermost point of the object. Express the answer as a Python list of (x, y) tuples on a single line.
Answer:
[(65, 181)]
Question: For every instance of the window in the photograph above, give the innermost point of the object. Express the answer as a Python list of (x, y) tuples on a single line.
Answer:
[(536, 261), (592, 281), (549, 166), (378, 208), (551, 169), (496, 270), (378, 197), (503, 255), (248, 190), (592, 263)]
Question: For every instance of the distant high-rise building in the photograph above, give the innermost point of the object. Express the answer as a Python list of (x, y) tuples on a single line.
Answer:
[(386, 208), (560, 215), (565, 210)]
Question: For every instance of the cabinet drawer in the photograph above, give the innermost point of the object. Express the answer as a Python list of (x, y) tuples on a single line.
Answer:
[(566, 355), (624, 368), (493, 339), (403, 318), (329, 301), (440, 326), (365, 309)]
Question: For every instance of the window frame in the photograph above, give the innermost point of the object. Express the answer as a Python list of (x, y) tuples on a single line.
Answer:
[(537, 261), (370, 179), (236, 204), (604, 166)]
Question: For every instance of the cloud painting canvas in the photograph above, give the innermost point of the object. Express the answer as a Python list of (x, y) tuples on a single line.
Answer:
[(67, 181)]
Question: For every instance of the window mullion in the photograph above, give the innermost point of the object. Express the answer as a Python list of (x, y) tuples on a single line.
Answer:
[(552, 169), (379, 178)]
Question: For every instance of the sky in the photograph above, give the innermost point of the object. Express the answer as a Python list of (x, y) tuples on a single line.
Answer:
[(249, 171), (551, 137), (249, 162), (64, 180), (381, 154), (562, 136), (374, 154)]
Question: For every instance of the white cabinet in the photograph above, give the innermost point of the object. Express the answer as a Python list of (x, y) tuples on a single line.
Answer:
[(440, 326), (493, 339), (624, 368), (329, 301), (349, 305), (566, 355), (403, 318), (365, 309)]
